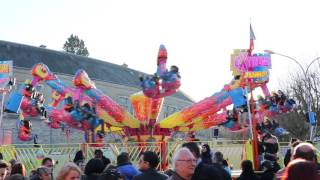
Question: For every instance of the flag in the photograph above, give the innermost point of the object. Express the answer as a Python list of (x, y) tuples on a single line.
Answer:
[(252, 38)]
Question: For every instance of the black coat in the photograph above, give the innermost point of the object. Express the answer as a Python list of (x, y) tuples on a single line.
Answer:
[(91, 177), (267, 175), (287, 158), (206, 158), (150, 174), (210, 172), (248, 177)]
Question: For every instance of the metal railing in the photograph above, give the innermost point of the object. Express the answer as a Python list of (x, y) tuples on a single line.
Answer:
[(31, 155)]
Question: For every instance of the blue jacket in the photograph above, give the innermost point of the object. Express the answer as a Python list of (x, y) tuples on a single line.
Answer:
[(128, 171)]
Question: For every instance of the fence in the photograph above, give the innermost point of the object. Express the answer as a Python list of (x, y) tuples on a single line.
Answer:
[(31, 155)]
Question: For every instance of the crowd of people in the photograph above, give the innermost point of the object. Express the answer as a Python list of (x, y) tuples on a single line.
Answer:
[(190, 162)]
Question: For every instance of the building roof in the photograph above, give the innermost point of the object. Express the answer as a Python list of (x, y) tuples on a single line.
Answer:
[(25, 56)]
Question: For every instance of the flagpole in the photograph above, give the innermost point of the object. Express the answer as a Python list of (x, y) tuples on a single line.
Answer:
[(253, 120)]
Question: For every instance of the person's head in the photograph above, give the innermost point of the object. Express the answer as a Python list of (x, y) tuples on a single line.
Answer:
[(18, 168), (205, 148), (266, 121), (194, 148), (48, 163), (12, 162), (218, 157), (293, 140), (69, 171), (225, 163), (305, 151), (94, 166), (81, 164), (111, 174), (42, 173), (78, 157), (301, 169), (98, 153), (184, 163), (174, 69), (123, 158), (266, 165), (32, 173), (148, 160), (247, 167), (4, 168)]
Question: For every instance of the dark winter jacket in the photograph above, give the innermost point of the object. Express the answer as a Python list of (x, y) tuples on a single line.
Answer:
[(151, 174), (250, 176), (207, 172)]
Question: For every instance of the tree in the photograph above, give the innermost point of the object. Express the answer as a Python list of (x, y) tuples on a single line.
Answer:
[(76, 46), (298, 86)]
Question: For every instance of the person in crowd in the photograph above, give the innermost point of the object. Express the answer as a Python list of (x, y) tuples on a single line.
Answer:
[(184, 165), (78, 158), (125, 167), (219, 161), (271, 148), (94, 169), (247, 171), (18, 168), (1, 156), (218, 157), (226, 166), (99, 155), (42, 173), (4, 169), (268, 173), (32, 173), (148, 163), (69, 171), (111, 174), (12, 162), (206, 154), (48, 163), (287, 158), (304, 151), (299, 169), (293, 143), (205, 171)]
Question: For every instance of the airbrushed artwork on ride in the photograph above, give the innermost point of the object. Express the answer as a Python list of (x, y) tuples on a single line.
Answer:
[(87, 108)]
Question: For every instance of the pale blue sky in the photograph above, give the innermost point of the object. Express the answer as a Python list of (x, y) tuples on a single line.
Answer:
[(199, 35)]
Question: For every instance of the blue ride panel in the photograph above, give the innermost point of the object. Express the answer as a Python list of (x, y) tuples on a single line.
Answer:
[(237, 96), (14, 102)]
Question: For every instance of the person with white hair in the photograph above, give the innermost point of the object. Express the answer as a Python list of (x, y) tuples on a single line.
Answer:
[(184, 165), (69, 171)]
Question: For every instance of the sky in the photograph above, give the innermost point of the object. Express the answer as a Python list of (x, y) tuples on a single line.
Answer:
[(199, 35)]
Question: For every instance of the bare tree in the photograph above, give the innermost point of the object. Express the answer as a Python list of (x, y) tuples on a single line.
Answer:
[(299, 86)]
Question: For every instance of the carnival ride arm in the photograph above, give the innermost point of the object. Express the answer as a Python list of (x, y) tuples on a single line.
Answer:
[(199, 111), (110, 111), (162, 61)]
